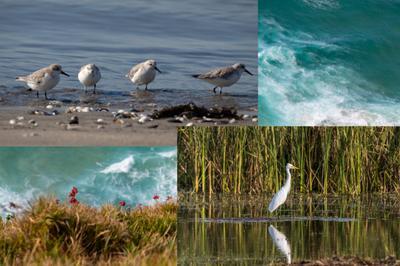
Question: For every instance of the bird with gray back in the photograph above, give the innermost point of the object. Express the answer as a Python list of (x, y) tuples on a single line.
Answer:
[(143, 73), (89, 76), (43, 79), (224, 76)]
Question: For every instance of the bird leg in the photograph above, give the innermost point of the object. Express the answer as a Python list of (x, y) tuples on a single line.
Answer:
[(37, 94), (85, 89), (146, 87), (45, 95), (94, 89), (220, 90), (215, 89)]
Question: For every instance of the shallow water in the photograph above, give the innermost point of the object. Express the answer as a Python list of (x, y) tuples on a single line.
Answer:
[(329, 62), (239, 230), (184, 37), (101, 174)]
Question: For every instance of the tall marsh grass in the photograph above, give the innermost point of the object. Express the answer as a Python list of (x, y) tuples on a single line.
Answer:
[(52, 233), (249, 160)]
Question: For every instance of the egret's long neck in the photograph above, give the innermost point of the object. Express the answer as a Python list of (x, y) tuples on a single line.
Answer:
[(288, 179)]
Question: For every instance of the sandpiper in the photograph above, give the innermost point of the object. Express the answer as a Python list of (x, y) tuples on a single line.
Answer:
[(143, 73), (224, 76), (89, 75), (43, 79)]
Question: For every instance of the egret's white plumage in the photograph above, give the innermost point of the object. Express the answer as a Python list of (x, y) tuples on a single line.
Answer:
[(89, 75), (224, 76), (143, 73), (280, 196), (43, 79), (281, 242)]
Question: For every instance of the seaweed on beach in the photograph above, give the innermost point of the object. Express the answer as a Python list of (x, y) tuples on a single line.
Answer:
[(191, 110)]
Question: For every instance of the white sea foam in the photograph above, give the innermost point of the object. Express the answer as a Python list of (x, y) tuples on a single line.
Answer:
[(168, 154), (7, 196), (121, 167), (322, 4), (328, 94)]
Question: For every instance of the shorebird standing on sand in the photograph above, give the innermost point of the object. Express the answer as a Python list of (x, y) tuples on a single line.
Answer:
[(224, 76), (143, 73), (89, 75), (43, 79)]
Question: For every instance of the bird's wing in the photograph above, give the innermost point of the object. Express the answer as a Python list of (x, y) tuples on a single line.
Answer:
[(223, 72), (278, 199), (133, 70), (37, 76)]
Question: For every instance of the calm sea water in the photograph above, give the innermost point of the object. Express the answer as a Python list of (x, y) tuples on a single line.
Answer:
[(329, 62), (184, 37), (102, 175), (225, 230)]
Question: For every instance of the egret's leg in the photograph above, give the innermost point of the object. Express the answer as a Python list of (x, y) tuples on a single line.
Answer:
[(215, 89), (146, 87), (37, 94), (94, 89), (45, 95), (220, 90), (85, 89)]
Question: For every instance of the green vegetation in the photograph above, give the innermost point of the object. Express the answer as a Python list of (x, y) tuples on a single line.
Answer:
[(52, 233), (351, 160), (373, 233)]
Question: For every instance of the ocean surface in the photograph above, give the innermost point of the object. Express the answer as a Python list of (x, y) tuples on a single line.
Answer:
[(184, 37), (101, 174), (329, 62)]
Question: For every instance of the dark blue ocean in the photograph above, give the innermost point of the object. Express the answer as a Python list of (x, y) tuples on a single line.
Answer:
[(329, 62)]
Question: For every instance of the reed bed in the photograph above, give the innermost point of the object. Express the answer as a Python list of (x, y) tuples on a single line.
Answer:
[(251, 160), (52, 233)]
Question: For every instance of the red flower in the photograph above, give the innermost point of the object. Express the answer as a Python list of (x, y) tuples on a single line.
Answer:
[(73, 192), (122, 203), (156, 197), (73, 201)]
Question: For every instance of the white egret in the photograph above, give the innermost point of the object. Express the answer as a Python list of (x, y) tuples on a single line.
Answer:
[(280, 196), (281, 242)]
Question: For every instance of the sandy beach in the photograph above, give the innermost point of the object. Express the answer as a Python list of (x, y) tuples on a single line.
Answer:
[(90, 121)]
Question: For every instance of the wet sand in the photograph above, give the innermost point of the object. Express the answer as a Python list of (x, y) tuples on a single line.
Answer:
[(41, 126)]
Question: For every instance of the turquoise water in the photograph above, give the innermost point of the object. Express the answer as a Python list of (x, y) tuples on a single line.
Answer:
[(102, 175), (329, 62)]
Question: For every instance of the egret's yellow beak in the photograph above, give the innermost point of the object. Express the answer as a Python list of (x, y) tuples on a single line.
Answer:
[(294, 167)]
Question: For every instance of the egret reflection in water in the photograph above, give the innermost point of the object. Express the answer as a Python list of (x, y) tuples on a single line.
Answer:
[(280, 242)]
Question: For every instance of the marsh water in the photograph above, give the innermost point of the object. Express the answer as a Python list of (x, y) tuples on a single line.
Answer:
[(226, 230), (184, 37)]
